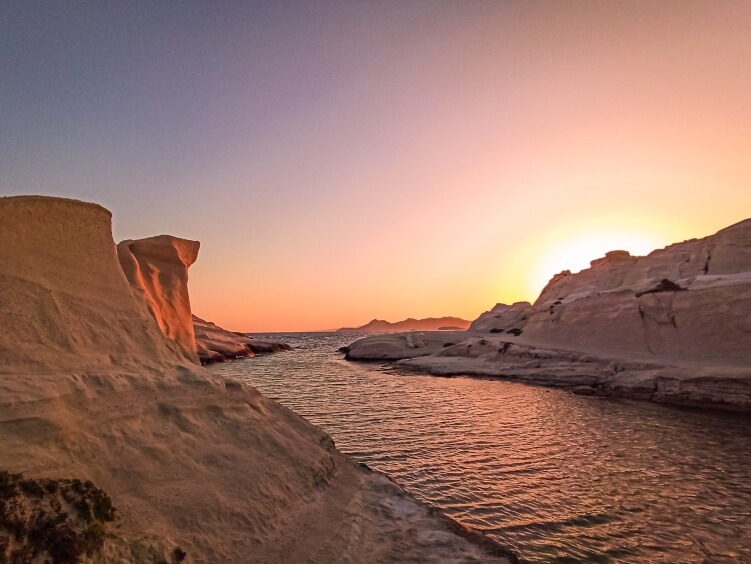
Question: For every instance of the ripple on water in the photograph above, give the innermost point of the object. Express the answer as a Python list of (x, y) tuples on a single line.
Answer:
[(558, 477)]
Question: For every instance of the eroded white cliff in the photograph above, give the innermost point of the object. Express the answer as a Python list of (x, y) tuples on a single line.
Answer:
[(196, 466), (673, 326)]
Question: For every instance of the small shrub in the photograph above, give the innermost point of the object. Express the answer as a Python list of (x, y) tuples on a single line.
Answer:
[(7, 484), (103, 508), (32, 515), (92, 537), (17, 527), (58, 539)]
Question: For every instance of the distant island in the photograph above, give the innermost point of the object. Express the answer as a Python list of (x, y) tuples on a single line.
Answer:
[(410, 324)]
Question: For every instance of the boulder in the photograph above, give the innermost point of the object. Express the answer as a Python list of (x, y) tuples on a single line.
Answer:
[(397, 346)]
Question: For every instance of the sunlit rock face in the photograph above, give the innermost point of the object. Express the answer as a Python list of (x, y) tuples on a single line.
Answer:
[(91, 389), (157, 269), (65, 302), (691, 300), (671, 327)]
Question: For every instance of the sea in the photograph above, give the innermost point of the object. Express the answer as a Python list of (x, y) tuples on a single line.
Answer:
[(554, 476)]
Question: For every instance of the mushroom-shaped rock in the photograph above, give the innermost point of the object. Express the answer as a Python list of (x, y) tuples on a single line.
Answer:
[(157, 269)]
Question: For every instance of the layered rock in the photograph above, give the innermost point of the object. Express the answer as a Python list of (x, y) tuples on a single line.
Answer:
[(157, 270), (503, 318), (689, 301), (673, 326), (91, 389), (61, 286), (717, 386), (215, 344)]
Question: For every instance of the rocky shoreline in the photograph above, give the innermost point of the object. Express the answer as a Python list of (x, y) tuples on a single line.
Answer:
[(601, 374), (671, 327), (215, 344)]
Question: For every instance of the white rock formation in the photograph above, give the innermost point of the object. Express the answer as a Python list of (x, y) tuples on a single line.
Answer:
[(673, 326), (91, 389), (702, 310), (157, 270)]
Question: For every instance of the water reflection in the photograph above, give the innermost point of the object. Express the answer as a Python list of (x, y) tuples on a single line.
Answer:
[(558, 477)]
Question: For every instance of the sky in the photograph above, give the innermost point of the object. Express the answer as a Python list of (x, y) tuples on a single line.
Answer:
[(344, 161)]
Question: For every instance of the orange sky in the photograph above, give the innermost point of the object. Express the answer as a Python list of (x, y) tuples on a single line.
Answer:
[(347, 162)]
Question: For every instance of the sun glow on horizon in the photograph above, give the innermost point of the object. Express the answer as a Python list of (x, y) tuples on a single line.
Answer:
[(574, 252), (351, 161)]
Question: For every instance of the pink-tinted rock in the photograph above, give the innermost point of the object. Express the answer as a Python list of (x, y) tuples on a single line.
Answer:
[(65, 302), (215, 344), (157, 270)]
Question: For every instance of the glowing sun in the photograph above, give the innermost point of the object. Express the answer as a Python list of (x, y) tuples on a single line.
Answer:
[(574, 252)]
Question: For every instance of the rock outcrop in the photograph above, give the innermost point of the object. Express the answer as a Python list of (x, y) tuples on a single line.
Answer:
[(398, 346), (215, 344), (673, 326), (504, 319), (65, 303), (196, 467), (157, 270), (689, 301)]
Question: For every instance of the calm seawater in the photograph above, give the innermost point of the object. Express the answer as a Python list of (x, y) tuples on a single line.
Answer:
[(556, 477)]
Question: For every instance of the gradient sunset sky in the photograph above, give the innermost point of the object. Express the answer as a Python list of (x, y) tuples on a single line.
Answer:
[(341, 161)]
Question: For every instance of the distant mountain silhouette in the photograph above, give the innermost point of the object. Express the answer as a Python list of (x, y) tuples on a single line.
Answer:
[(427, 324)]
